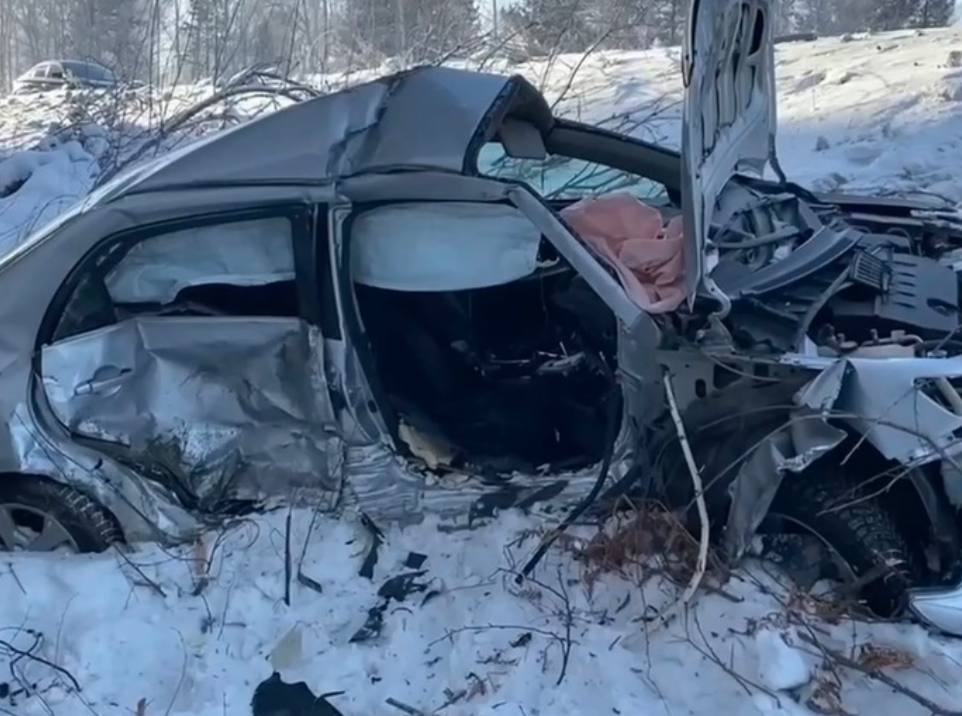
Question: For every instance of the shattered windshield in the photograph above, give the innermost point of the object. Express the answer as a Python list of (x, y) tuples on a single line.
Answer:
[(559, 177)]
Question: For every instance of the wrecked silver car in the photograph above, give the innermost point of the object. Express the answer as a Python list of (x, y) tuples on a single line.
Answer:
[(346, 304)]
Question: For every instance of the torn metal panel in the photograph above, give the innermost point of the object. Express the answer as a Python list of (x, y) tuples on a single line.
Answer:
[(245, 253), (729, 121), (392, 490), (887, 400), (145, 510), (800, 442), (229, 408), (371, 127)]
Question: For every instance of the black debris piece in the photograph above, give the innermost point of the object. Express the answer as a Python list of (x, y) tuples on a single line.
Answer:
[(489, 504), (415, 560), (377, 539), (309, 583), (545, 494), (430, 595), (398, 588), (522, 640), (372, 625), (402, 586), (273, 697)]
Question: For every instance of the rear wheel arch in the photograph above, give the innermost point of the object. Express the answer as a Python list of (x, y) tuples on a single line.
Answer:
[(91, 525)]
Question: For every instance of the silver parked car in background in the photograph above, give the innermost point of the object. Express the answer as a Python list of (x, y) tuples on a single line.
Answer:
[(57, 74), (364, 300)]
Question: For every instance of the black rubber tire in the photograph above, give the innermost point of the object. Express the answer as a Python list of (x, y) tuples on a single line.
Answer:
[(863, 533), (90, 525)]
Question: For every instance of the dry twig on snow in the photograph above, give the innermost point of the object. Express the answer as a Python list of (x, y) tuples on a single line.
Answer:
[(702, 562), (871, 670)]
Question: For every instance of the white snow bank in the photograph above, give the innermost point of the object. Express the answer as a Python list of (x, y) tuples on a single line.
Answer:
[(202, 652), (886, 105), (36, 186), (780, 666)]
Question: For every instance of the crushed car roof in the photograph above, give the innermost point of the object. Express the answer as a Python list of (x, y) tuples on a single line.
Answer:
[(433, 118)]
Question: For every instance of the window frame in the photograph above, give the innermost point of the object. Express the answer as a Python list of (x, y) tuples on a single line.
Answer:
[(620, 152), (303, 238)]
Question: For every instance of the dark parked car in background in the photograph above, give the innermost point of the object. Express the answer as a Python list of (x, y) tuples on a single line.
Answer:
[(65, 73)]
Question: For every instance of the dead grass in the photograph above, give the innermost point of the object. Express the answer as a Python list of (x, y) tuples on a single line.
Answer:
[(876, 658), (637, 544)]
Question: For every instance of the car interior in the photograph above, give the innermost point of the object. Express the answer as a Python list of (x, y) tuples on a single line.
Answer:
[(480, 365), (500, 368)]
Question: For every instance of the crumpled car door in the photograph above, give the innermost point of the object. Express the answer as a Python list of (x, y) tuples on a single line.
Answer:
[(228, 408), (729, 115), (216, 407)]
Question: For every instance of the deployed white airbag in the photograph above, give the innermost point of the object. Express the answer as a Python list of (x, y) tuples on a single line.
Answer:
[(246, 253), (450, 246)]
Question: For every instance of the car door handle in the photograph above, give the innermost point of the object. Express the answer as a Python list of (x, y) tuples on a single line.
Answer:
[(105, 379)]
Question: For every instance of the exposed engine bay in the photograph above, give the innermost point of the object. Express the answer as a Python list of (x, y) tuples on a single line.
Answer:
[(807, 276)]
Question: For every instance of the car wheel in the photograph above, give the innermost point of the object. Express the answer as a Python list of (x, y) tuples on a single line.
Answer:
[(859, 534), (41, 516)]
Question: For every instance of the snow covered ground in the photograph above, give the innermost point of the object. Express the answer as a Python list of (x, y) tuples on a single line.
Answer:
[(194, 630)]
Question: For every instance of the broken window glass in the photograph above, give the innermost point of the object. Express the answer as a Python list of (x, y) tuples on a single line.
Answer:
[(558, 177), (243, 268), (249, 253)]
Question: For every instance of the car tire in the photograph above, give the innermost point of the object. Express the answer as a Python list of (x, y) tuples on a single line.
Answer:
[(861, 531), (36, 504)]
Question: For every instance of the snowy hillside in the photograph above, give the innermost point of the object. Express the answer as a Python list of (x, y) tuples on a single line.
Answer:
[(165, 632), (875, 113)]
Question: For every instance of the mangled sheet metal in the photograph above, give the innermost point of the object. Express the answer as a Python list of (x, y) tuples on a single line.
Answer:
[(231, 408), (791, 448), (377, 126), (902, 406), (897, 403)]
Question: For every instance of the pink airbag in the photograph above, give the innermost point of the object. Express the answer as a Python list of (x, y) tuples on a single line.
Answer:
[(633, 237)]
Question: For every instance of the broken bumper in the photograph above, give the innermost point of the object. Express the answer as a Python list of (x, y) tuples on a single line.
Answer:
[(940, 608)]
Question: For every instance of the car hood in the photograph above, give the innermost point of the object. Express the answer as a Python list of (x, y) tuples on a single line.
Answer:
[(729, 116)]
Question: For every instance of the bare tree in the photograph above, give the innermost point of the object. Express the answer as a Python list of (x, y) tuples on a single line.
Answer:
[(167, 41)]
